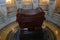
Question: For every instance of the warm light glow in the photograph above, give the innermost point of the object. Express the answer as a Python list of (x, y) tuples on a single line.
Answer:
[(43, 27), (27, 1), (13, 29), (43, 1), (8, 1), (56, 32)]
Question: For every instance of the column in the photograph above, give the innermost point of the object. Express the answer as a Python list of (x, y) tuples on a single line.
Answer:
[(35, 4), (51, 8), (19, 3), (4, 13)]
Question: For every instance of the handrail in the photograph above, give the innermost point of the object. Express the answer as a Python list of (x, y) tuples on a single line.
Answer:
[(4, 28), (53, 28), (5, 32)]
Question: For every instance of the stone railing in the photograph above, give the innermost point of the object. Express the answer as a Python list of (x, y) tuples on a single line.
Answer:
[(5, 31), (54, 19)]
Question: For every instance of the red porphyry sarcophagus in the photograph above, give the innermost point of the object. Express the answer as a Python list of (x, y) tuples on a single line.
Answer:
[(30, 17)]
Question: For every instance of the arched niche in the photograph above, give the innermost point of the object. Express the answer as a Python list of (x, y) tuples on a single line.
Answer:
[(57, 6), (11, 7), (44, 4), (27, 4)]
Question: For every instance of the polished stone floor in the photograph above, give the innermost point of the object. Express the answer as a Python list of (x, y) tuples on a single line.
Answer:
[(45, 35)]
